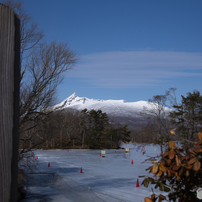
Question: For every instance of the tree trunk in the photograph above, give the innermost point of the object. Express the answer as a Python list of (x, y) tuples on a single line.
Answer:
[(83, 139), (61, 139), (9, 102)]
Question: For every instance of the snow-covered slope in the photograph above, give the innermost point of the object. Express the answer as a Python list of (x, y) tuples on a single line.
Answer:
[(111, 107), (119, 111)]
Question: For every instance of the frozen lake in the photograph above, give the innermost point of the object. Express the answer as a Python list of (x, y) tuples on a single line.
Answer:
[(112, 178)]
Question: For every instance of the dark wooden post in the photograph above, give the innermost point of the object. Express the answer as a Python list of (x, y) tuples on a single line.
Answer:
[(9, 102)]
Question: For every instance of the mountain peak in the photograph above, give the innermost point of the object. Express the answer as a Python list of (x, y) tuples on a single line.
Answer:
[(66, 102), (72, 97)]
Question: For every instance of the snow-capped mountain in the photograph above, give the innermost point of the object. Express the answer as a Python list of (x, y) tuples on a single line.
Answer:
[(118, 110), (111, 107)]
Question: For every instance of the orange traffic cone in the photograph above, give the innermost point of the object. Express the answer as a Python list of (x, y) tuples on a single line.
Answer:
[(115, 151), (137, 184), (157, 155), (132, 161), (100, 155), (81, 170)]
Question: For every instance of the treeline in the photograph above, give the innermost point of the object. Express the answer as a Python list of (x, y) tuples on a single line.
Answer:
[(184, 118), (71, 128), (145, 134)]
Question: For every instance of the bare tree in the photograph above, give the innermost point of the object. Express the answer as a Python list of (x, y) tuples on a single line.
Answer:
[(145, 134), (30, 35), (60, 129), (159, 113), (42, 68), (42, 65), (44, 73), (171, 95)]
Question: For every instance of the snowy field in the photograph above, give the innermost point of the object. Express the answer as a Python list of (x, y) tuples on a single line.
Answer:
[(112, 178)]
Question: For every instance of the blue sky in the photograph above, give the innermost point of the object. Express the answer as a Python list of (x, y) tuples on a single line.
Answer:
[(128, 49)]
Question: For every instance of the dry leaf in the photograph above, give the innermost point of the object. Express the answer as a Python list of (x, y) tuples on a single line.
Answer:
[(162, 197), (178, 162), (191, 161), (155, 168), (147, 199), (176, 167), (197, 145), (172, 131), (163, 162), (197, 165), (153, 196), (169, 173), (159, 173), (199, 149), (187, 173), (191, 151), (152, 159), (171, 154), (169, 161), (162, 168), (187, 157), (189, 167), (182, 158), (145, 182), (171, 144), (199, 135), (165, 154), (181, 171), (178, 178)]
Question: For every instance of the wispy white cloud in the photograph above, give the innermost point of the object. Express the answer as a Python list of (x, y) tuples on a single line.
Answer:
[(136, 68)]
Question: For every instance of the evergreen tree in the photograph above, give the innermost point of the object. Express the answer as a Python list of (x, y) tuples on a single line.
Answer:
[(95, 124), (187, 117), (118, 134), (99, 134)]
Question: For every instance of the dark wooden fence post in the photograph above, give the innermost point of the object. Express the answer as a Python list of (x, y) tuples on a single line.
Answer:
[(9, 102)]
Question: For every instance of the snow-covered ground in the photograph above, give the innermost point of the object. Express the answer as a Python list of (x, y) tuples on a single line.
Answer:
[(112, 178)]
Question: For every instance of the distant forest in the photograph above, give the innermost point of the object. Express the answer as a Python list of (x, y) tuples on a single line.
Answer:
[(75, 129), (70, 128), (93, 129)]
